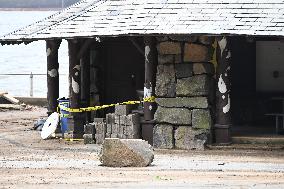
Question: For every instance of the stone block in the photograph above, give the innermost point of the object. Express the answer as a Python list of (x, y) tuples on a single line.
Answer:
[(89, 128), (110, 118), (187, 138), (184, 70), (122, 109), (122, 120), (201, 119), (133, 130), (115, 129), (114, 136), (68, 135), (181, 38), (183, 102), (126, 153), (168, 47), (198, 85), (108, 128), (196, 53), (178, 58), (117, 119), (165, 81), (166, 59), (89, 138), (100, 127), (132, 119), (175, 116), (163, 136), (108, 135), (206, 40), (99, 138), (203, 68), (99, 120)]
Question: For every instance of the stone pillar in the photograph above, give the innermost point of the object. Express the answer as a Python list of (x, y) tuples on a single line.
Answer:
[(75, 88), (52, 47), (150, 81), (223, 100)]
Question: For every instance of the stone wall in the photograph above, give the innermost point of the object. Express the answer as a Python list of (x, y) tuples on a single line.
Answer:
[(184, 90)]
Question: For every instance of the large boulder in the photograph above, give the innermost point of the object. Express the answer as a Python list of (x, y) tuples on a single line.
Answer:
[(126, 153), (175, 116), (165, 82)]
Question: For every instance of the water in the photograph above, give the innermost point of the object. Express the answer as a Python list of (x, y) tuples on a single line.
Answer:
[(24, 59)]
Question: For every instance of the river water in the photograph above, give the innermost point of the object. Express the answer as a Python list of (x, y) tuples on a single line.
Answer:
[(24, 59)]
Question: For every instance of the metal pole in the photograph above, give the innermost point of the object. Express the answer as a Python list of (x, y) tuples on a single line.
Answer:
[(31, 85)]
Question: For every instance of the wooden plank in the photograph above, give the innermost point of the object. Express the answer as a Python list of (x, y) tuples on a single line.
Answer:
[(10, 98)]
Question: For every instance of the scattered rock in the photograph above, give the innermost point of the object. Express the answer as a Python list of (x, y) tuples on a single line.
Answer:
[(183, 102), (175, 116), (126, 153), (165, 81), (163, 136)]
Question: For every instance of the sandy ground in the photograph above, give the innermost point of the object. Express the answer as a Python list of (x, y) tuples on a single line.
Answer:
[(27, 161)]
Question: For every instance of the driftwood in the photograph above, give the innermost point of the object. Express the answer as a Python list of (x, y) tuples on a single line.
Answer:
[(9, 98)]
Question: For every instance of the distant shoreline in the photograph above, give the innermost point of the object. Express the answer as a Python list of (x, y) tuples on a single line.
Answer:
[(30, 9)]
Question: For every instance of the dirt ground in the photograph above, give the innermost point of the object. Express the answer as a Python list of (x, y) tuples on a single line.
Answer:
[(27, 161)]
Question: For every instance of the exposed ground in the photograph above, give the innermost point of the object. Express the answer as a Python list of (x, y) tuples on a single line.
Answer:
[(27, 161)]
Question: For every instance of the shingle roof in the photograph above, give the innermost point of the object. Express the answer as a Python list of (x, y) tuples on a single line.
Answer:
[(142, 17)]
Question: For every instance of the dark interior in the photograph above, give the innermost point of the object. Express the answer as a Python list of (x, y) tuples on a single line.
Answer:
[(249, 106)]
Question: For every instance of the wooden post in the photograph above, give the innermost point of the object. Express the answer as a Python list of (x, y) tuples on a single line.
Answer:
[(75, 87), (85, 81), (149, 86), (223, 90), (52, 47)]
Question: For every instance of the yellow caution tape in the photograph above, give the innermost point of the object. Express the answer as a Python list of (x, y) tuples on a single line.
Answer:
[(95, 108)]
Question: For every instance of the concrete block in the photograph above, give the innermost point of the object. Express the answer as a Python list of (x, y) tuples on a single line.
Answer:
[(99, 138), (122, 109), (89, 128), (89, 138)]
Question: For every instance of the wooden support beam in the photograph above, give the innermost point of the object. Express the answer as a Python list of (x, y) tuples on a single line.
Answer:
[(85, 81), (151, 62), (52, 47), (223, 91), (75, 87), (138, 47), (85, 46)]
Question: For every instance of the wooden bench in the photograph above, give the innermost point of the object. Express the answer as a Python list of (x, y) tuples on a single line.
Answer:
[(277, 117)]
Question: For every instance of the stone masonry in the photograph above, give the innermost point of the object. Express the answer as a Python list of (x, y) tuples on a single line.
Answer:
[(184, 90)]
